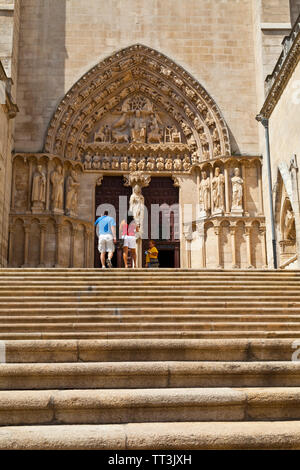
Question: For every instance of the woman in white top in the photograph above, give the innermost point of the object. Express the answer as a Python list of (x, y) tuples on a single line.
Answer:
[(128, 232)]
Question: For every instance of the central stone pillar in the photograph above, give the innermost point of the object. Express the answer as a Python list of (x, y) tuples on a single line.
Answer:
[(138, 180)]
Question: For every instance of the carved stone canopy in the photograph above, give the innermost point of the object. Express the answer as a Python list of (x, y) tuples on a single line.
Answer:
[(138, 178), (137, 97)]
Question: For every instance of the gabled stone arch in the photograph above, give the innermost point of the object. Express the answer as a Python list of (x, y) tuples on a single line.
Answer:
[(131, 71)]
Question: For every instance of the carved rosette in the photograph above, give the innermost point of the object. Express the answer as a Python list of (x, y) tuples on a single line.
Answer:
[(137, 101)]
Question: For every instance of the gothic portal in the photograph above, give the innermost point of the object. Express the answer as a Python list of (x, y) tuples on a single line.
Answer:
[(137, 118)]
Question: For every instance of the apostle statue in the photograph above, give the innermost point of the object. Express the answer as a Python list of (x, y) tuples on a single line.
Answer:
[(218, 192), (205, 202), (38, 195), (57, 197), (72, 187), (237, 192), (136, 207)]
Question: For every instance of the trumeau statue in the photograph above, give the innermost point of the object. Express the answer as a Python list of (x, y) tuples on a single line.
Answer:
[(218, 190), (72, 187), (237, 192), (136, 206), (57, 197), (38, 196), (205, 203)]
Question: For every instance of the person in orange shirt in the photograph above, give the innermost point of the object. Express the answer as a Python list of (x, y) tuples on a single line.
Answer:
[(152, 256)]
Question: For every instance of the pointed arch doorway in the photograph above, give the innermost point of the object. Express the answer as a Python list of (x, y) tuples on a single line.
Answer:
[(160, 193)]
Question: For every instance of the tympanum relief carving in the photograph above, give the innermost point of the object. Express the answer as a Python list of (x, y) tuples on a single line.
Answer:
[(137, 101)]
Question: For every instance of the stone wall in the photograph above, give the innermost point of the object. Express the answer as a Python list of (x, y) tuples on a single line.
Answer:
[(5, 177), (9, 42), (281, 108), (7, 112), (284, 122)]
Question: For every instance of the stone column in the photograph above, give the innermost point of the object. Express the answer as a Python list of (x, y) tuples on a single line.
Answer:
[(72, 249), (260, 190), (43, 228), (58, 232), (218, 233), (29, 187), (211, 175), (244, 176), (233, 246), (26, 244), (13, 185), (48, 187), (227, 190), (11, 243), (262, 231), (188, 235), (87, 245), (198, 187), (248, 241), (201, 235)]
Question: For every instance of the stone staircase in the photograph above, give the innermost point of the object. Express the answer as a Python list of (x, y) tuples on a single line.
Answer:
[(157, 359)]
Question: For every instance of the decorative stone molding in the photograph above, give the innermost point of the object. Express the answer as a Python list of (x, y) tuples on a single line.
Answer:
[(286, 64), (137, 97), (177, 181), (99, 180), (10, 108)]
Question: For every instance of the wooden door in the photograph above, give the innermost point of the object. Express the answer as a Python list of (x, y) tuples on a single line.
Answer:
[(162, 191), (108, 193)]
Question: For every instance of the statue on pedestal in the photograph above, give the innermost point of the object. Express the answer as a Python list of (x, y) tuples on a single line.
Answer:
[(237, 193), (57, 198), (38, 196), (137, 206), (218, 192), (72, 187), (205, 203)]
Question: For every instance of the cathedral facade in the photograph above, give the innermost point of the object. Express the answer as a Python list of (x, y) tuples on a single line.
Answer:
[(102, 100)]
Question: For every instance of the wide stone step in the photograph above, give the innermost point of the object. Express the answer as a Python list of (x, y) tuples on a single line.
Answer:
[(146, 311), (33, 320), (148, 405), (176, 334), (282, 435), (166, 294), (110, 276), (122, 325), (154, 285), (118, 304), (97, 286), (150, 350), (132, 375)]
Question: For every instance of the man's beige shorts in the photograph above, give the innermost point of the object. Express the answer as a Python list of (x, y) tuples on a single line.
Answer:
[(106, 244)]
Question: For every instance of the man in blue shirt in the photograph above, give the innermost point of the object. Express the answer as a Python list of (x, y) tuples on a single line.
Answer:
[(106, 231)]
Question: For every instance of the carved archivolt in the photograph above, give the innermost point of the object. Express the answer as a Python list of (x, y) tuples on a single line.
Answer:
[(137, 102)]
